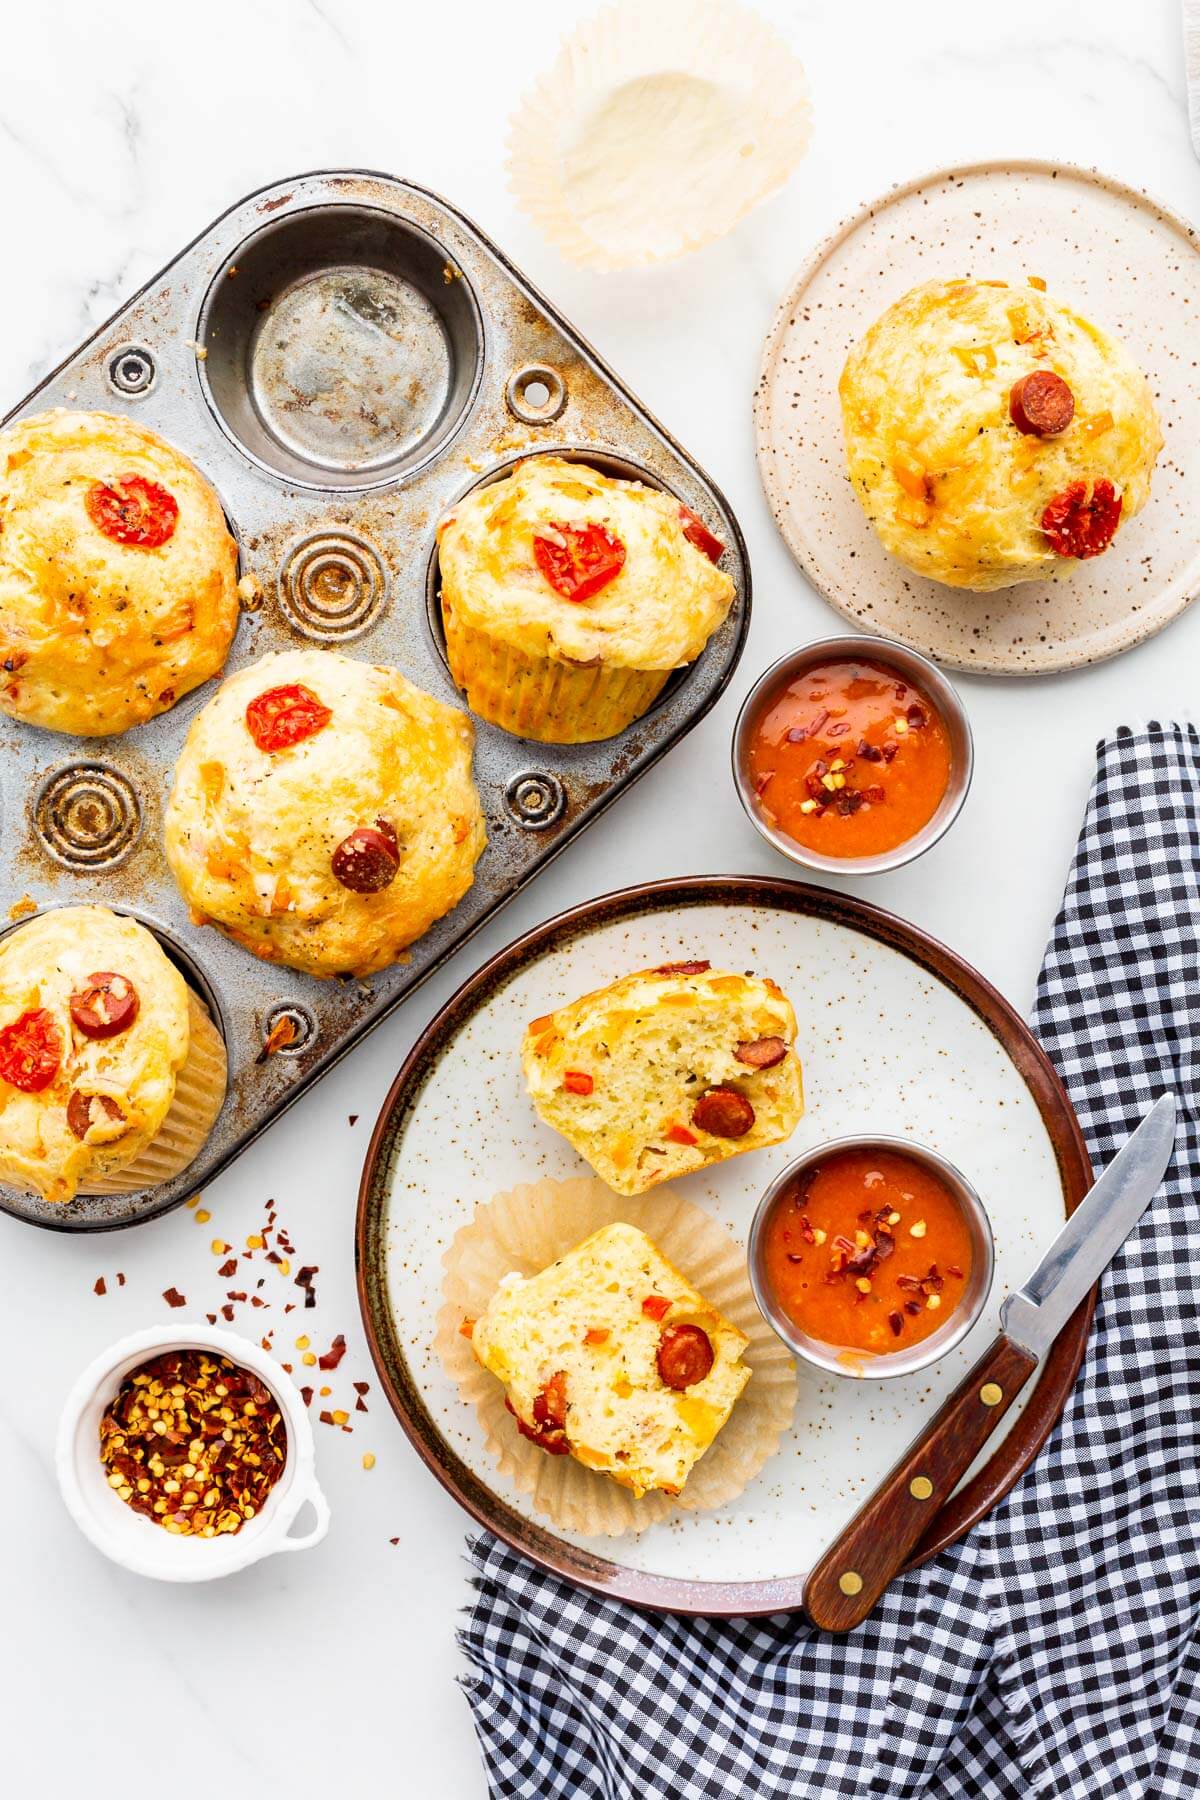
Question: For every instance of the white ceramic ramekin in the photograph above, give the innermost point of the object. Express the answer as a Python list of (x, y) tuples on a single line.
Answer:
[(133, 1540)]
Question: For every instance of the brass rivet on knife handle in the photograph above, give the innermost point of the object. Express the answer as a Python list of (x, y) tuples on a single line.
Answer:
[(881, 1539)]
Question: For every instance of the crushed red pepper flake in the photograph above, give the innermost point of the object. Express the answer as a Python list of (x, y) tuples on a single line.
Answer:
[(228, 1268), (120, 1279), (360, 1404), (101, 1286), (334, 1354), (306, 1394), (173, 1297), (194, 1442), (227, 1313), (362, 1387), (354, 1118)]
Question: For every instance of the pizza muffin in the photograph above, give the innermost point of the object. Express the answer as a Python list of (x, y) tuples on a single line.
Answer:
[(324, 813), (111, 1071), (118, 575), (667, 1071), (611, 1356), (568, 598), (994, 435)]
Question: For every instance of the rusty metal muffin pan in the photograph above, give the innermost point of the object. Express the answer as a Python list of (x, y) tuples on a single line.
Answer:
[(343, 356)]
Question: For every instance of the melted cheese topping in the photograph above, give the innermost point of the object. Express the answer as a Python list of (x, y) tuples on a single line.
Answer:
[(96, 636), (951, 486), (42, 963), (658, 613), (250, 833)]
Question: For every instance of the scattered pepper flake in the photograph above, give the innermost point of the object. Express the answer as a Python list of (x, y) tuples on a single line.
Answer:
[(101, 1286), (306, 1394), (368, 1460), (173, 1297), (228, 1268), (203, 1216), (335, 1353), (121, 1278), (219, 1247)]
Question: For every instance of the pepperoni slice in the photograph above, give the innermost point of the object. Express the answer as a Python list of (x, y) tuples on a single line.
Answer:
[(284, 716), (696, 532), (132, 510), (86, 1110), (550, 1406), (577, 1081), (550, 1438), (1041, 404), (723, 1112), (31, 1051), (685, 1355), (762, 1053), (1081, 524), (683, 968), (105, 1005), (579, 560), (366, 862)]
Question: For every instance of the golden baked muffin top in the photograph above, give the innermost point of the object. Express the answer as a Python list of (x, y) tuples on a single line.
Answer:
[(118, 575), (995, 435), (612, 1355), (558, 560), (93, 1030), (324, 813), (666, 1071)]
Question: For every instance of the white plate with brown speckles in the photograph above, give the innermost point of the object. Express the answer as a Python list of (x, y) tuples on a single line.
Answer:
[(898, 1035), (1117, 255)]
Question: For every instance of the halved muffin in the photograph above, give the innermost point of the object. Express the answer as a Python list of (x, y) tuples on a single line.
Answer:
[(324, 812), (666, 1071), (610, 1355), (569, 597), (118, 574)]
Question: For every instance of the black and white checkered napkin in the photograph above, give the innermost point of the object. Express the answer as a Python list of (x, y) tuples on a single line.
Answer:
[(1055, 1651)]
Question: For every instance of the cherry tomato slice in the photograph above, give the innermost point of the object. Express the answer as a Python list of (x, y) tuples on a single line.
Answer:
[(132, 510), (696, 532), (31, 1051), (284, 716), (366, 862), (105, 1005), (579, 560), (1081, 524)]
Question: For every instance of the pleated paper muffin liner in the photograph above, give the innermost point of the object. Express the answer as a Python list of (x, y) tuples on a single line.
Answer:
[(543, 697), (199, 1094), (530, 1227), (657, 129)]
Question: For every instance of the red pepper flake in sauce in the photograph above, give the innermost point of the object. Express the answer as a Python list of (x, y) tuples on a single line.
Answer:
[(194, 1442), (842, 1264), (858, 761)]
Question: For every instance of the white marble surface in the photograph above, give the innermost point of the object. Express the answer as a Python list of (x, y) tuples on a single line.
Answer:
[(121, 134)]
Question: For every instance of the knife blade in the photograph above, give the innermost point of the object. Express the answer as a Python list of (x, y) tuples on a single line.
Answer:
[(852, 1574), (1034, 1315)]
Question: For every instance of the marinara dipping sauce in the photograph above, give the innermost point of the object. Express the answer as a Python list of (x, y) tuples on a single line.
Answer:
[(869, 1251), (849, 759)]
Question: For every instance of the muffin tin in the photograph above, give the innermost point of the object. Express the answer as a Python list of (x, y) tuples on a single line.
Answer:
[(343, 355)]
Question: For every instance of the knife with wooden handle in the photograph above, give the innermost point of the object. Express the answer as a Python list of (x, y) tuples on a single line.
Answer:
[(845, 1585)]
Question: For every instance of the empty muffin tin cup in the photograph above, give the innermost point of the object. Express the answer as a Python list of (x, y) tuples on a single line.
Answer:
[(909, 666), (135, 1542), (341, 347), (831, 1359)]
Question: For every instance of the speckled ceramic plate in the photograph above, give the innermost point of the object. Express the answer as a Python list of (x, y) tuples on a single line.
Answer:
[(896, 1033), (1123, 260)]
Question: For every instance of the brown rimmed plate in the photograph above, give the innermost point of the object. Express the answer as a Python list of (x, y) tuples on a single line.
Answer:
[(895, 1029)]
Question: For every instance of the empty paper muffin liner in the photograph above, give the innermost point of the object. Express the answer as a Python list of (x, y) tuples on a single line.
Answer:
[(542, 697), (657, 129), (199, 1096), (530, 1227)]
